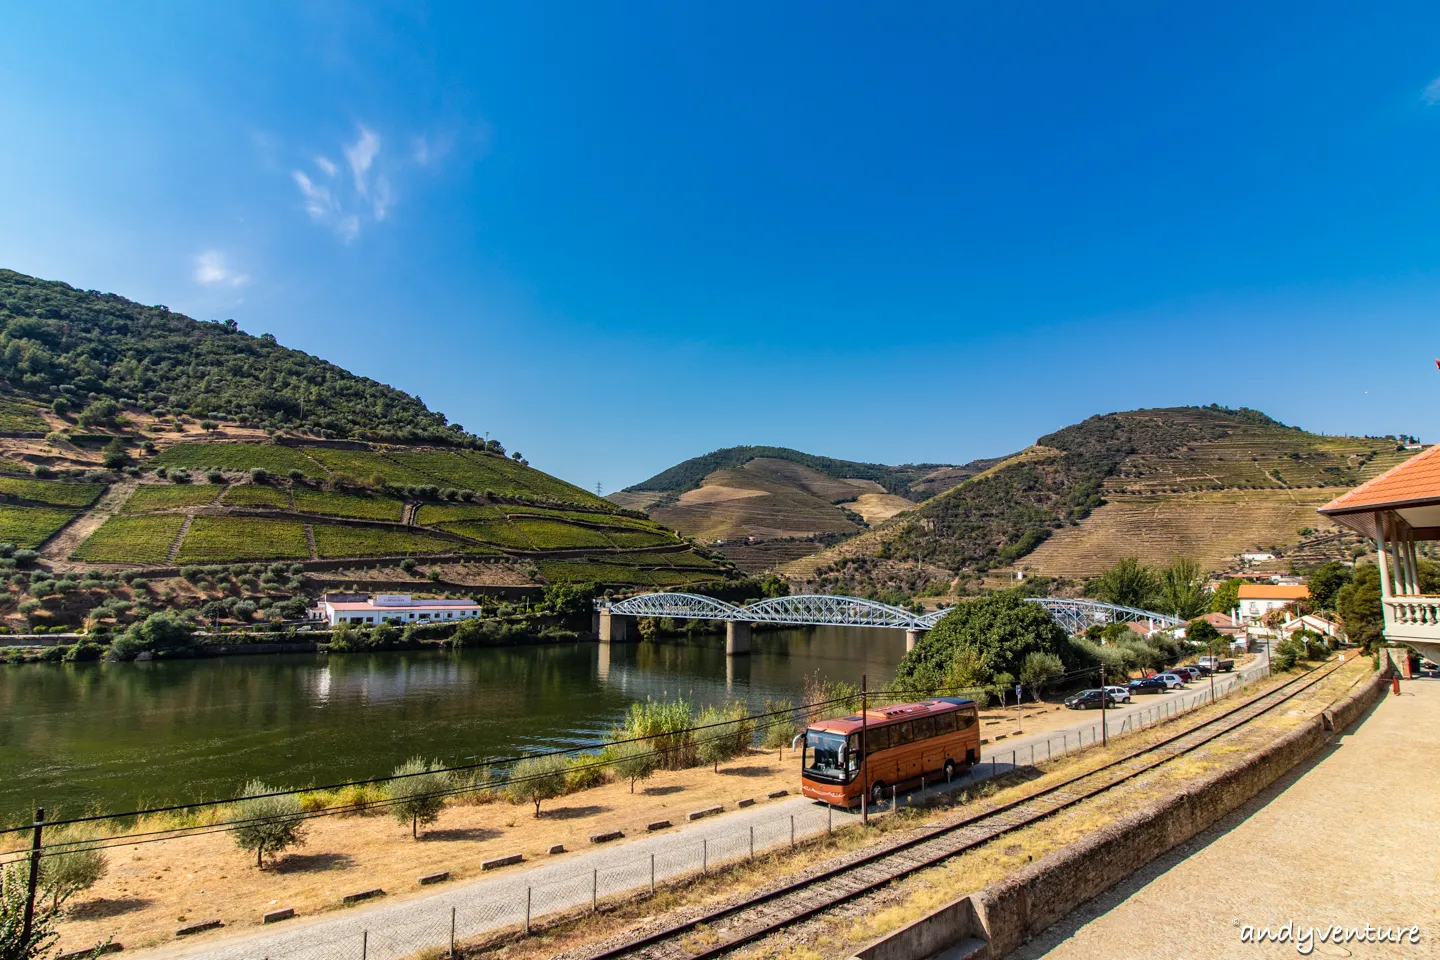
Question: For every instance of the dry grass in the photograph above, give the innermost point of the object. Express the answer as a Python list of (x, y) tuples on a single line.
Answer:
[(208, 875)]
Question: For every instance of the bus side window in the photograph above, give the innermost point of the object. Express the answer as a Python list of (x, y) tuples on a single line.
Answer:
[(877, 739), (945, 723), (901, 734), (852, 755), (968, 720), (924, 728)]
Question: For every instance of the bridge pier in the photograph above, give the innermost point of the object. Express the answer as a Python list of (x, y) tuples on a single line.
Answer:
[(912, 637), (614, 627), (737, 637)]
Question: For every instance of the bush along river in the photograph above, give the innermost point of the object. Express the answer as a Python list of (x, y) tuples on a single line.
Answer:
[(76, 737)]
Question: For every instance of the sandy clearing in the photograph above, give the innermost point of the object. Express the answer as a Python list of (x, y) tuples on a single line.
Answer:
[(716, 493)]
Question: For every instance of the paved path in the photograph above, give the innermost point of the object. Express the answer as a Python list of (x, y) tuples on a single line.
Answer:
[(398, 928), (1347, 840)]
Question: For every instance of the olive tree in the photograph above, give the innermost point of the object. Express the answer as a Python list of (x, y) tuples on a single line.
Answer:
[(537, 779), (267, 824), (418, 793), (635, 760), (73, 863)]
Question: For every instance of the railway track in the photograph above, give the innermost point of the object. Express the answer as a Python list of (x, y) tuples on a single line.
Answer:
[(771, 910)]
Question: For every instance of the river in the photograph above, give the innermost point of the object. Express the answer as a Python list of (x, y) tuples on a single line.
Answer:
[(115, 736)]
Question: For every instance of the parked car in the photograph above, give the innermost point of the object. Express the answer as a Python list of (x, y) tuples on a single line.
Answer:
[(1186, 673), (1217, 664), (1173, 681), (1149, 685), (1089, 700), (1119, 694)]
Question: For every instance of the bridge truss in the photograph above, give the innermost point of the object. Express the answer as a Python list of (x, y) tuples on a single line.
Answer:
[(829, 610)]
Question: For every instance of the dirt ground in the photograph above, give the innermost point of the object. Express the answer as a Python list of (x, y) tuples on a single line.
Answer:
[(149, 889)]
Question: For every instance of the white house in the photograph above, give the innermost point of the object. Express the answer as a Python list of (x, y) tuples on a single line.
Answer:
[(1313, 623), (401, 607), (1258, 599)]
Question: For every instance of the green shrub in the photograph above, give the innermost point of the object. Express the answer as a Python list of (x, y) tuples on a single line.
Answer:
[(537, 779), (419, 795), (160, 634), (267, 824)]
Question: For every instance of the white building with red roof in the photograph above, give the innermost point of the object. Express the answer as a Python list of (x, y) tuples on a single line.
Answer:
[(1399, 509), (398, 607)]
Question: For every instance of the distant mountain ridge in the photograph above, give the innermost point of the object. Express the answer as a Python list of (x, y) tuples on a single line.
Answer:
[(690, 474), (794, 502), (1205, 482)]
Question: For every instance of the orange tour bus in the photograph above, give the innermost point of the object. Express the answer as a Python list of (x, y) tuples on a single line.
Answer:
[(903, 743)]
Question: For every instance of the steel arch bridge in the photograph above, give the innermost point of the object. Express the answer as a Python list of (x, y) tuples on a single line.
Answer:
[(829, 610)]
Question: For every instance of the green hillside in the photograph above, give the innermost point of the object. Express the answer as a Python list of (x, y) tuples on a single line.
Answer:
[(136, 439), (54, 337)]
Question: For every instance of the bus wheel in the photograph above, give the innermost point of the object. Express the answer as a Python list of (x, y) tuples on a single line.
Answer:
[(877, 793), (949, 771)]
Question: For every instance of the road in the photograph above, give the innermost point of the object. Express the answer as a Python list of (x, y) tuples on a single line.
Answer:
[(394, 928)]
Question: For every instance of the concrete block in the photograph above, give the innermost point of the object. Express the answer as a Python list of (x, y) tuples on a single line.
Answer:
[(440, 877), (558, 848), (193, 928), (362, 895), (658, 825), (778, 794), (111, 947), (606, 837), (504, 861), (275, 916), (747, 802), (707, 812)]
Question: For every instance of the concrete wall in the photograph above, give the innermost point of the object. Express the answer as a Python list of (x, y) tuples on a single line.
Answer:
[(1011, 912)]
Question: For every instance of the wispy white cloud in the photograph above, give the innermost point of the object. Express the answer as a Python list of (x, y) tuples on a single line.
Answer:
[(212, 268), (361, 155), (380, 203), (318, 201), (369, 196), (1432, 93)]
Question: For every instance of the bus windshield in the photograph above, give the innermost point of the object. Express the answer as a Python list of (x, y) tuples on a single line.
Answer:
[(825, 754)]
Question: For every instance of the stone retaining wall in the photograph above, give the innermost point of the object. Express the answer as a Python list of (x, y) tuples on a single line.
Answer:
[(1009, 913)]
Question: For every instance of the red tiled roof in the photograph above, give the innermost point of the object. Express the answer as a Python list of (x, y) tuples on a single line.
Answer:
[(1270, 591), (1415, 480), (417, 605)]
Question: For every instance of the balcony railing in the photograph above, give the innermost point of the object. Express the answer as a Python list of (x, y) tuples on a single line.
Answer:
[(1416, 617)]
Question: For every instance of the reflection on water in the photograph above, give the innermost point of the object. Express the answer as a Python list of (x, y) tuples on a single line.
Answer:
[(73, 736)]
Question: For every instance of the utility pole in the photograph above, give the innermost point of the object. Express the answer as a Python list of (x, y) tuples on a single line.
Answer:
[(1104, 703), (864, 771), (28, 925)]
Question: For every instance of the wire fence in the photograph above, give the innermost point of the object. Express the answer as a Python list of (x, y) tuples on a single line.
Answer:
[(519, 902)]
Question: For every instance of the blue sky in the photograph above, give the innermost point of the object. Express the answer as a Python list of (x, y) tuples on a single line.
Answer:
[(619, 235)]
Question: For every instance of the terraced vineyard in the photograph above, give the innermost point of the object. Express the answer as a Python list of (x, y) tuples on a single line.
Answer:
[(154, 496), (352, 506), (1202, 482), (31, 526), (132, 539), (256, 495), (226, 539), (554, 535), (276, 459), (335, 541), (1214, 526), (18, 416), (52, 492), (500, 533)]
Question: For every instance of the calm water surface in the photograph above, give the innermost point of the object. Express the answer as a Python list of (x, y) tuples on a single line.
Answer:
[(117, 736)]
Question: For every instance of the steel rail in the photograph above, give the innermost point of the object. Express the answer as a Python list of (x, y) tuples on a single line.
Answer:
[(908, 866)]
